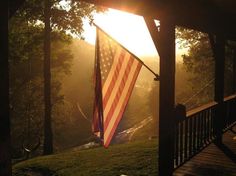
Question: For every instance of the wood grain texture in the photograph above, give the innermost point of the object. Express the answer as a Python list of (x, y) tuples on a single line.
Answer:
[(213, 160)]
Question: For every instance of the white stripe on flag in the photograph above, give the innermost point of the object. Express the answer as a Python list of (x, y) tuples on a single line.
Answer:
[(107, 131), (110, 75), (117, 85)]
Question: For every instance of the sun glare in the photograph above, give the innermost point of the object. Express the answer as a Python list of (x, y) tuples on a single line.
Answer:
[(128, 29)]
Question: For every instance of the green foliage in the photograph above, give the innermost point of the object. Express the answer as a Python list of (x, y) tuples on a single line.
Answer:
[(66, 15), (200, 64), (136, 158), (26, 78), (26, 32)]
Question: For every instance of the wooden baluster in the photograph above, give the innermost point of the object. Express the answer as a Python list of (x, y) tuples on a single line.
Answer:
[(202, 127), (190, 136), (226, 120), (234, 72), (177, 144), (213, 117), (181, 142), (186, 132), (234, 110), (198, 131), (205, 126), (194, 134), (231, 107), (209, 125)]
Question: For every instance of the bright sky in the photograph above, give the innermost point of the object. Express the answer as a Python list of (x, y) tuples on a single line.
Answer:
[(128, 29)]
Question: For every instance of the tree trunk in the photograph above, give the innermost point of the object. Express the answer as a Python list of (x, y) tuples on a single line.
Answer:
[(48, 137), (5, 137)]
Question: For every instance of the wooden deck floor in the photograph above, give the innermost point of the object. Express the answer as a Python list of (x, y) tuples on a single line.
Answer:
[(213, 160)]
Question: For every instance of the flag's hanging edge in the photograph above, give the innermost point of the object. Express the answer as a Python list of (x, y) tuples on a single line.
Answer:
[(157, 77), (95, 71)]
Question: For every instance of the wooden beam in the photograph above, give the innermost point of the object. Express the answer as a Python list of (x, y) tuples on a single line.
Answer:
[(207, 16), (5, 136), (204, 16), (154, 32), (131, 6), (164, 41)]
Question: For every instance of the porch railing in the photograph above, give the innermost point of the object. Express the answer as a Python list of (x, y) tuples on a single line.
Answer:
[(196, 131), (230, 112)]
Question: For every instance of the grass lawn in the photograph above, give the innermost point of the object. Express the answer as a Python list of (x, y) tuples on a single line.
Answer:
[(131, 159)]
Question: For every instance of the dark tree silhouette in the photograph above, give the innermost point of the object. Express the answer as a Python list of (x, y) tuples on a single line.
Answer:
[(59, 21), (48, 139), (5, 137)]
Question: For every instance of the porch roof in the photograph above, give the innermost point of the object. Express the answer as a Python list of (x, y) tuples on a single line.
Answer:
[(210, 16)]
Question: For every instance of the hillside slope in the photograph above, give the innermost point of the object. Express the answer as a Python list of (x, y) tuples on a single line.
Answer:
[(136, 158)]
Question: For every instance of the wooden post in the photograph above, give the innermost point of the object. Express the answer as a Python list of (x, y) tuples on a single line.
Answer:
[(164, 41), (219, 54), (234, 71), (5, 137)]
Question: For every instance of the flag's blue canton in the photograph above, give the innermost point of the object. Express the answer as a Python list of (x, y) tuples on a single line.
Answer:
[(106, 54)]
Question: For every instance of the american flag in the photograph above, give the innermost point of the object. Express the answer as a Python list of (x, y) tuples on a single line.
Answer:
[(116, 71)]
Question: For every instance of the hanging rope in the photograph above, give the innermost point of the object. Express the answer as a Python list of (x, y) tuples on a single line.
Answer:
[(27, 147), (198, 92), (82, 113)]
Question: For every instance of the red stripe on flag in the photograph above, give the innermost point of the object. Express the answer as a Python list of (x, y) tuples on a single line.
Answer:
[(107, 142), (113, 94), (119, 92), (114, 77)]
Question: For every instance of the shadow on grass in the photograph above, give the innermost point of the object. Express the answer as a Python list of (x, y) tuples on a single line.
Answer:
[(36, 171)]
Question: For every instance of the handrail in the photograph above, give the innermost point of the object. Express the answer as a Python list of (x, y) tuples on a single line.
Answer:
[(201, 108), (208, 105), (199, 128), (194, 133), (230, 97)]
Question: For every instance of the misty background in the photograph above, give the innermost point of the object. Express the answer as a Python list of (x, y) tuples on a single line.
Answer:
[(73, 94)]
